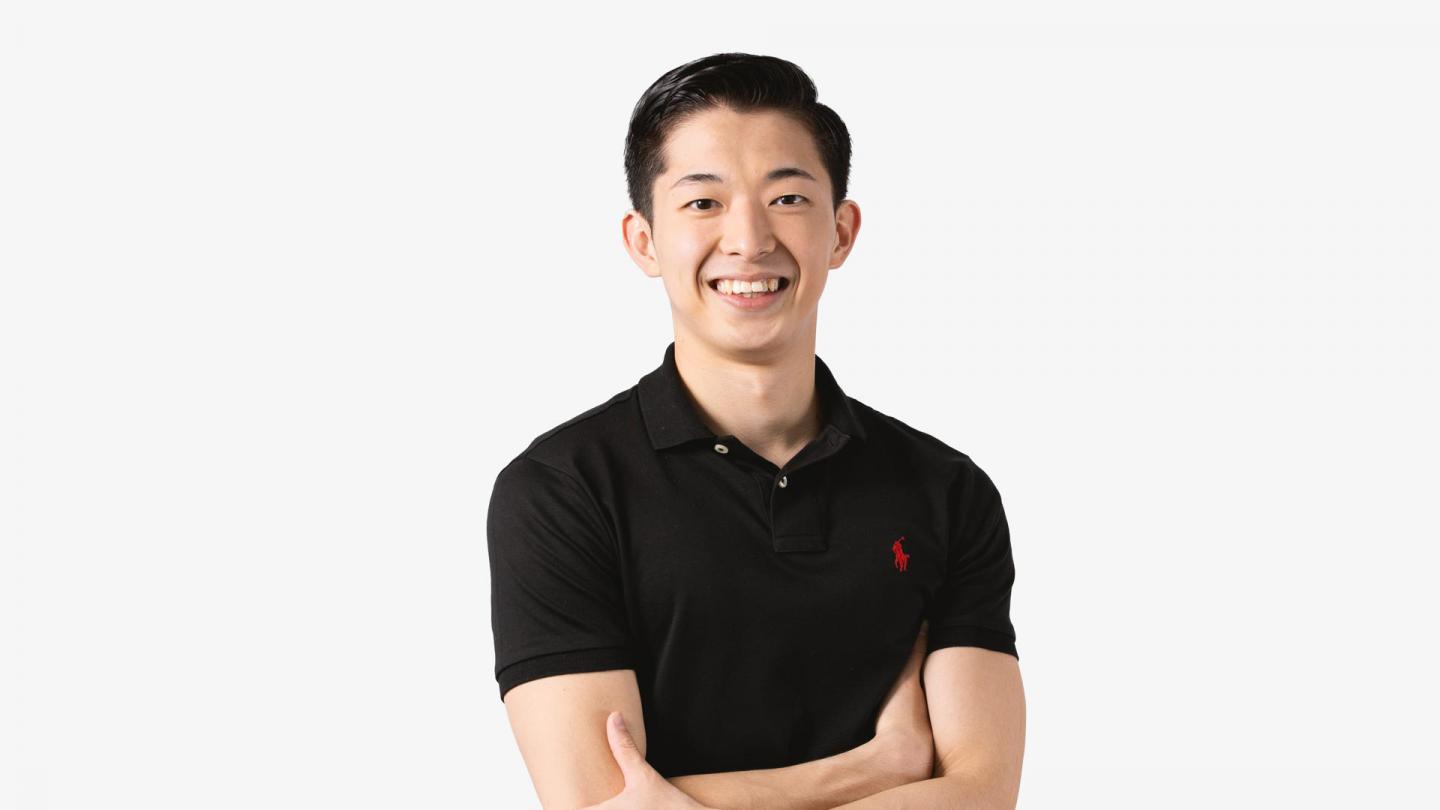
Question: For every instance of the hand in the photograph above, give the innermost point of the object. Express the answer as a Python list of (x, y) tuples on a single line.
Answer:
[(645, 788), (903, 741)]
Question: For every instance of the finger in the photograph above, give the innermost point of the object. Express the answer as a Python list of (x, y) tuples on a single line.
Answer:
[(626, 752)]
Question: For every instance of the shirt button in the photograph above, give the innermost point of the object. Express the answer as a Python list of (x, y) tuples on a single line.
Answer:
[(720, 448), (783, 481)]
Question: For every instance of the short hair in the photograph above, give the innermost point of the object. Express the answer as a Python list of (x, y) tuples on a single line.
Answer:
[(742, 82)]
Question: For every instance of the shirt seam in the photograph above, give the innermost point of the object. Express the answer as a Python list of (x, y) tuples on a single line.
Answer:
[(579, 419), (589, 498)]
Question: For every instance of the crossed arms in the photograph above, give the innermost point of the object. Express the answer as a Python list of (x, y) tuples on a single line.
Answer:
[(952, 736)]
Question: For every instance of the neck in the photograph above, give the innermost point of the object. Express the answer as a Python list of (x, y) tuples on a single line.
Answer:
[(766, 400)]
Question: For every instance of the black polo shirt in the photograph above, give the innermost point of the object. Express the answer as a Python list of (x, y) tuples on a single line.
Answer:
[(765, 610)]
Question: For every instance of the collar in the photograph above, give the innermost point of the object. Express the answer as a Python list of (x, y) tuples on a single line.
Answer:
[(671, 417)]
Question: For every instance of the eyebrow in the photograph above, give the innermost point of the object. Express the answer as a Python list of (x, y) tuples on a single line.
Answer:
[(775, 174)]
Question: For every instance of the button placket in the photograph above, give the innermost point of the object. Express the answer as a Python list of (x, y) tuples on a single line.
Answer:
[(796, 517)]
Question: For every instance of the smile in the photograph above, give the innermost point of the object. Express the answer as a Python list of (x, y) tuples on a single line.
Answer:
[(750, 296)]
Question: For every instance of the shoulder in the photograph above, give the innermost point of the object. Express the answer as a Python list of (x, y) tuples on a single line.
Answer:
[(911, 443), (931, 458), (570, 447), (550, 483)]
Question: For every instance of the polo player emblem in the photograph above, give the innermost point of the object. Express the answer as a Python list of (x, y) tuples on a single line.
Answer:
[(902, 560)]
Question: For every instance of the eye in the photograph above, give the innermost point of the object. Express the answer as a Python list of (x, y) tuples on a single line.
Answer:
[(800, 198)]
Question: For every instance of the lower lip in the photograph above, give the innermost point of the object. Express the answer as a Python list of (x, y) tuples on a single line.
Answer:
[(751, 304)]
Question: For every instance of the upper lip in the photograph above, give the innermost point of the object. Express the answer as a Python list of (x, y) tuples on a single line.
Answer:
[(744, 277)]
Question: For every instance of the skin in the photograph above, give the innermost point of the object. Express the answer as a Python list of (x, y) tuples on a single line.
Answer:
[(751, 373)]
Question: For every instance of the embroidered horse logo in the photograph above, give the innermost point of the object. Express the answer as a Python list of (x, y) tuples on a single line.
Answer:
[(902, 560)]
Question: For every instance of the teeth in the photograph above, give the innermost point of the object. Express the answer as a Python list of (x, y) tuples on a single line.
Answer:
[(735, 287)]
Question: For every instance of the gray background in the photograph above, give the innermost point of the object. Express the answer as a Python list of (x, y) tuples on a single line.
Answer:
[(285, 284)]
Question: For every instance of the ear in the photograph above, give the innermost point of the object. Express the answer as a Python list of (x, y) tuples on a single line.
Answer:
[(847, 227), (637, 235)]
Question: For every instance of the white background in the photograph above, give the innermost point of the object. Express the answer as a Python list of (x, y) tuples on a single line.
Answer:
[(286, 283)]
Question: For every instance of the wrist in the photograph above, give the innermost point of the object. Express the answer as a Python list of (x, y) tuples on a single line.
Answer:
[(864, 770), (834, 780)]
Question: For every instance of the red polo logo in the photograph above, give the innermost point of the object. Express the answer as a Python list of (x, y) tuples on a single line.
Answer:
[(902, 560)]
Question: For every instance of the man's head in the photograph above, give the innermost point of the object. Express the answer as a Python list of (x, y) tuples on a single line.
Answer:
[(736, 171)]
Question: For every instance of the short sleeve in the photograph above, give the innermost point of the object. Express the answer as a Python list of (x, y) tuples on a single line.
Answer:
[(556, 603), (972, 606)]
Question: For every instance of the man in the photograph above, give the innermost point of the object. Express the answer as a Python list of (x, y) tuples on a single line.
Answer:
[(723, 586)]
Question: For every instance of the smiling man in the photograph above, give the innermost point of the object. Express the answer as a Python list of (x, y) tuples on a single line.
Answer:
[(792, 599)]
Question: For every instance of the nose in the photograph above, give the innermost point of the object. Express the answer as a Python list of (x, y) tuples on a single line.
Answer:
[(747, 233)]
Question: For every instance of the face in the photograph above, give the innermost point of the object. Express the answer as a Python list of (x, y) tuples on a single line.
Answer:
[(744, 197)]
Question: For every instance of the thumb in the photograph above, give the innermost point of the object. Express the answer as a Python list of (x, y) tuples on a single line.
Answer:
[(626, 752)]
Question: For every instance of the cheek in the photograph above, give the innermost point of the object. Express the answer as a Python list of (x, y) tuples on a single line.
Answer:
[(681, 257), (814, 272), (813, 245), (679, 237), (814, 284), (686, 254)]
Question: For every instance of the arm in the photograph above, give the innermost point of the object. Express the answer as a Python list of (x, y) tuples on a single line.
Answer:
[(900, 752), (816, 785), (977, 712), (559, 725), (578, 771)]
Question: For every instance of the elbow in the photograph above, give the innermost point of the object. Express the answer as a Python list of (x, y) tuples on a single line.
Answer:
[(990, 790)]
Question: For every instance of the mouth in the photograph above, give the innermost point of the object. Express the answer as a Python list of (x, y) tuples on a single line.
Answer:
[(781, 284), (748, 300)]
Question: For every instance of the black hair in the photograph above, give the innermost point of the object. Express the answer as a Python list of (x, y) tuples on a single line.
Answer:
[(742, 82)]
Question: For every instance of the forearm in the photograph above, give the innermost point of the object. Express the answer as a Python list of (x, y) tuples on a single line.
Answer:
[(953, 792), (816, 785)]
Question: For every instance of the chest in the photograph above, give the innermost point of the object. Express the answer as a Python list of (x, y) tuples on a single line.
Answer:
[(834, 562)]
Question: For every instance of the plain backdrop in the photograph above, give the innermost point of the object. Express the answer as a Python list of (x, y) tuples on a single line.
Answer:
[(286, 283)]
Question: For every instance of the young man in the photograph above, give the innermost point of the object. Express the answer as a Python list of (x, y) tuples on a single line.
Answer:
[(746, 564)]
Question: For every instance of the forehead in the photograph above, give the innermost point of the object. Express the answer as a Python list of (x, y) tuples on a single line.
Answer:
[(727, 142)]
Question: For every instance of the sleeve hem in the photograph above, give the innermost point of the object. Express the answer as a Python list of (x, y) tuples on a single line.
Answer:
[(971, 636), (562, 663)]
